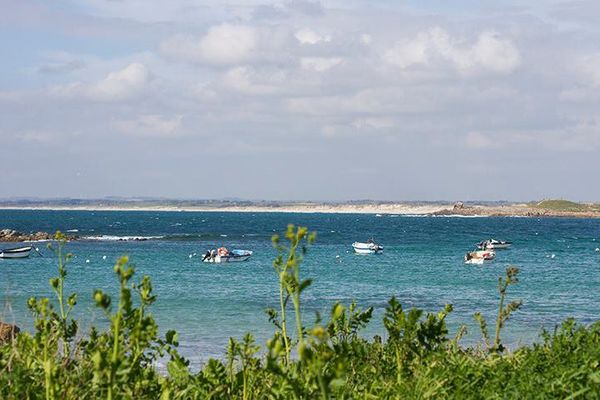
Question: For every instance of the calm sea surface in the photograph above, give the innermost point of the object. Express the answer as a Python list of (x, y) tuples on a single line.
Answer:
[(422, 266)]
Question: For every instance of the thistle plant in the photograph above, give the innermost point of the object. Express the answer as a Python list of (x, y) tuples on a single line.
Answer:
[(68, 327), (287, 267), (504, 312)]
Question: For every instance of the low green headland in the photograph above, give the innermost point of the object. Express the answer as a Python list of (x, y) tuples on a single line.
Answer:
[(566, 206), (416, 359)]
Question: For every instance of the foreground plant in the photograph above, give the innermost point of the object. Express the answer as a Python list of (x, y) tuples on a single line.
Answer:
[(504, 312)]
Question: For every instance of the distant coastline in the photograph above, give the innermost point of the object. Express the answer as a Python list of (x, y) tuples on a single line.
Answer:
[(545, 208)]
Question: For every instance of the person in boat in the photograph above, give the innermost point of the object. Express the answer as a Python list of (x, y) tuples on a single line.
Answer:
[(207, 255)]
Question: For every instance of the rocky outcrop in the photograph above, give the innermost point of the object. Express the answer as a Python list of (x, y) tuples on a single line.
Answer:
[(8, 332), (10, 235), (459, 205)]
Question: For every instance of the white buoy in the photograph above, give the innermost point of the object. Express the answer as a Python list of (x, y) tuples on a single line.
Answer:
[(87, 261), (552, 256), (104, 257), (190, 256), (597, 250), (338, 256)]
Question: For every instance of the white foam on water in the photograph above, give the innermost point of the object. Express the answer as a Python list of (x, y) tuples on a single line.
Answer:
[(114, 238)]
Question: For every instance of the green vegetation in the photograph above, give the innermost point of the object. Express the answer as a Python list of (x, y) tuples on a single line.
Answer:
[(566, 205), (327, 360)]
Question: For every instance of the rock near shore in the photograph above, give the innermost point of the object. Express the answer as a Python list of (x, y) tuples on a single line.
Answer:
[(11, 235)]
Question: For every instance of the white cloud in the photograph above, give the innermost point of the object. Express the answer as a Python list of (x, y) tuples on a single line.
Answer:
[(122, 84), (308, 36), (149, 125), (319, 64), (366, 39), (118, 85), (407, 52), (579, 136), (247, 80), (436, 48), (477, 140), (41, 136), (359, 126), (491, 53), (589, 68), (222, 44), (373, 123)]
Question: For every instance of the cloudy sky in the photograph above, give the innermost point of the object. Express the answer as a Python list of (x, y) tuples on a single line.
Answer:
[(325, 100)]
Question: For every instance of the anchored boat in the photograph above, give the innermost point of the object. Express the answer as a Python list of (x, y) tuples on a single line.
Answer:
[(493, 244), (222, 255), (479, 256), (17, 252), (370, 247)]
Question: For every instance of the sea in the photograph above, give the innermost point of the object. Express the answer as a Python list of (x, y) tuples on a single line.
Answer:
[(422, 266)]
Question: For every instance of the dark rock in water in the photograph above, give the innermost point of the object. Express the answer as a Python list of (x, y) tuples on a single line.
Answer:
[(11, 235), (8, 332)]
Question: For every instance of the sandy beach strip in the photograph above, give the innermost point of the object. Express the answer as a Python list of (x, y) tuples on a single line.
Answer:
[(399, 209)]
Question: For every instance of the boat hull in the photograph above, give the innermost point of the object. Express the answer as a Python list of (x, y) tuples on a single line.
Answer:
[(497, 246), (21, 252), (226, 259), (475, 261), (479, 256), (367, 248), (494, 244)]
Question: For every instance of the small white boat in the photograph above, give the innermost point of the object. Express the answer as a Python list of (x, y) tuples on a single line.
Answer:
[(17, 252), (494, 244), (367, 248), (222, 255), (479, 256)]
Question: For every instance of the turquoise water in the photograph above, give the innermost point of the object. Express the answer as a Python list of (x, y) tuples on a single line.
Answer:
[(422, 266)]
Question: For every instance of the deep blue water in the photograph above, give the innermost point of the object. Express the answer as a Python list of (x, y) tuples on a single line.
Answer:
[(422, 266)]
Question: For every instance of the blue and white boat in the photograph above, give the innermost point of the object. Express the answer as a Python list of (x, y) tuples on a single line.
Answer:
[(222, 255)]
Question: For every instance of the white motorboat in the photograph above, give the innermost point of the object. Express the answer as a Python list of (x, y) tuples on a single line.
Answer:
[(493, 244), (367, 248), (479, 256), (222, 255), (17, 252)]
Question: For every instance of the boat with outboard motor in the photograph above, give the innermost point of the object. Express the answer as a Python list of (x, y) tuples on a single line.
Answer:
[(370, 247), (493, 244), (17, 252), (222, 255), (479, 256)]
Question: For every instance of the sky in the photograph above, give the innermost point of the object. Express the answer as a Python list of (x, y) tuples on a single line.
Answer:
[(300, 100)]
